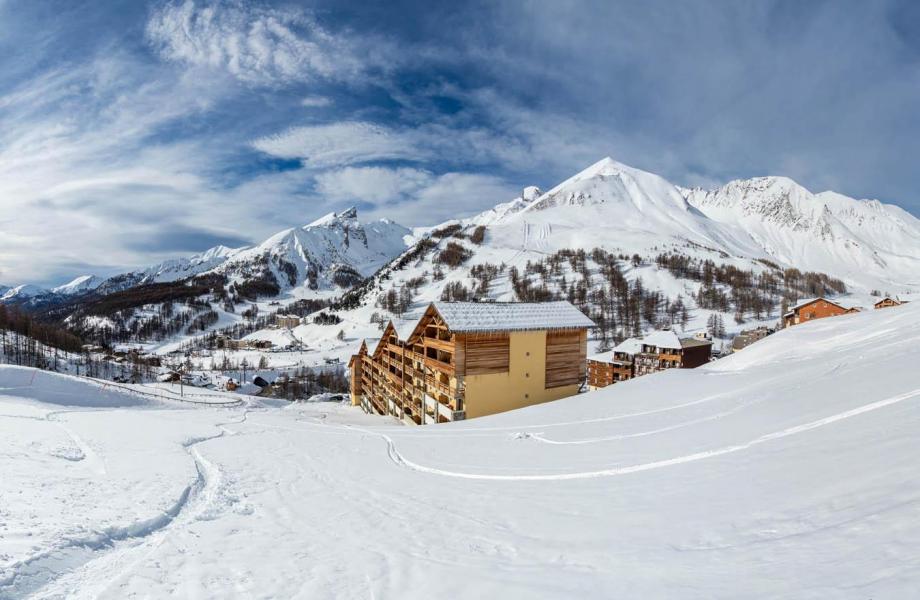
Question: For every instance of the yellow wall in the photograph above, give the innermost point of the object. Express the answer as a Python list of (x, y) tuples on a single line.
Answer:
[(523, 384)]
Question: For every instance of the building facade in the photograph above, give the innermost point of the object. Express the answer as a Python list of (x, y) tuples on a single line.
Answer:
[(663, 350), (888, 303), (748, 337), (809, 310), (465, 359), (287, 321), (615, 365)]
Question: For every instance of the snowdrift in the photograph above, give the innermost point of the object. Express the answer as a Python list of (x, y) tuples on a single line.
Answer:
[(64, 390)]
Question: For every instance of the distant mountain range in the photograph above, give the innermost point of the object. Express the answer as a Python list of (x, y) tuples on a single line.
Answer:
[(333, 251), (753, 224)]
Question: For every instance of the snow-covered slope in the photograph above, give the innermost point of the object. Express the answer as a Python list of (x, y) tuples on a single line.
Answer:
[(22, 292), (783, 471), (79, 285), (336, 250), (863, 241)]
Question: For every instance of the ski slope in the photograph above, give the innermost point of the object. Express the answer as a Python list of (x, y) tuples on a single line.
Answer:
[(787, 470)]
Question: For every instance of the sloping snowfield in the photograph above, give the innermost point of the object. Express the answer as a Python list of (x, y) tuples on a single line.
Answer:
[(788, 470)]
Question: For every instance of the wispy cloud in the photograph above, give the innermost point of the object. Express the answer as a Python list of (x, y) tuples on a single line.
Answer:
[(340, 144), (196, 119), (316, 101), (257, 44)]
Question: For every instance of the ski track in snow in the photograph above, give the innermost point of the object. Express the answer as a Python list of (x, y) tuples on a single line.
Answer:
[(42, 575), (402, 461)]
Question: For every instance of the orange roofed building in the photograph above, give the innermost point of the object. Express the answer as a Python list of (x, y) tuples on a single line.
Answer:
[(809, 310), (889, 302)]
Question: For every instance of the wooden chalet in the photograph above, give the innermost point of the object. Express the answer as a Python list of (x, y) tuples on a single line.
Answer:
[(665, 350), (467, 359), (809, 310), (889, 302), (615, 365)]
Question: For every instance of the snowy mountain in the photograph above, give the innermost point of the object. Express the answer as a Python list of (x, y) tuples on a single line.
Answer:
[(866, 243), (22, 293), (80, 285), (633, 250), (170, 270), (861, 241), (333, 251)]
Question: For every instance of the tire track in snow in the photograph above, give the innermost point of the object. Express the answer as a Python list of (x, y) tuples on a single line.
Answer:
[(402, 461), (33, 575)]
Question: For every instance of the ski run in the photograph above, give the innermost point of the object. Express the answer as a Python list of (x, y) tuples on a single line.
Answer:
[(787, 470)]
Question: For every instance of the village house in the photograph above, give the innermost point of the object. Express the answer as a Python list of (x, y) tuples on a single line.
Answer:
[(617, 364), (466, 359), (889, 302), (815, 308), (664, 350), (287, 321), (748, 337)]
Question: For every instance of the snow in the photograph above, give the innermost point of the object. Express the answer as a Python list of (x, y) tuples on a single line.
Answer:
[(510, 316), (662, 339), (631, 345), (83, 283), (781, 471), (23, 291)]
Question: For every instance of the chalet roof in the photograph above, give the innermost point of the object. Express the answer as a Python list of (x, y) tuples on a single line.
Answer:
[(469, 317), (662, 339), (694, 342), (888, 299), (607, 357), (803, 303), (631, 345)]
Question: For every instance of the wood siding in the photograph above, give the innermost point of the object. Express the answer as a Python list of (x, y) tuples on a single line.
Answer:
[(486, 355), (565, 358)]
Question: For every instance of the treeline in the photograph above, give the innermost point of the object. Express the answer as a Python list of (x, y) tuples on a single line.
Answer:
[(306, 382), (51, 335)]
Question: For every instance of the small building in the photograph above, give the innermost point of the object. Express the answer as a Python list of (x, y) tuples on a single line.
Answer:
[(748, 337), (260, 344), (287, 321), (888, 302), (232, 344), (809, 310), (467, 359), (617, 364), (663, 350)]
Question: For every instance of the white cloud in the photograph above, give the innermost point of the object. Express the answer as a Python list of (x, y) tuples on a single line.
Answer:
[(316, 101), (355, 142), (257, 44), (342, 143), (371, 184), (449, 196)]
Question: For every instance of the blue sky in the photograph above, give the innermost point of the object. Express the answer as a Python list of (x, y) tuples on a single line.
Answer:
[(131, 132)]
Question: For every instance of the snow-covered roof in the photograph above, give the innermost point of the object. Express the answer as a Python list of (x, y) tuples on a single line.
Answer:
[(662, 339), (808, 301), (607, 357), (631, 345), (604, 357), (511, 316)]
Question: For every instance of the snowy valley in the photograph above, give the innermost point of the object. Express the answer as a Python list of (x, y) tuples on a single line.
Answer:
[(780, 471)]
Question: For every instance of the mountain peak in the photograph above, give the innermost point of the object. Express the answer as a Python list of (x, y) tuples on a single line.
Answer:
[(83, 283), (349, 214)]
